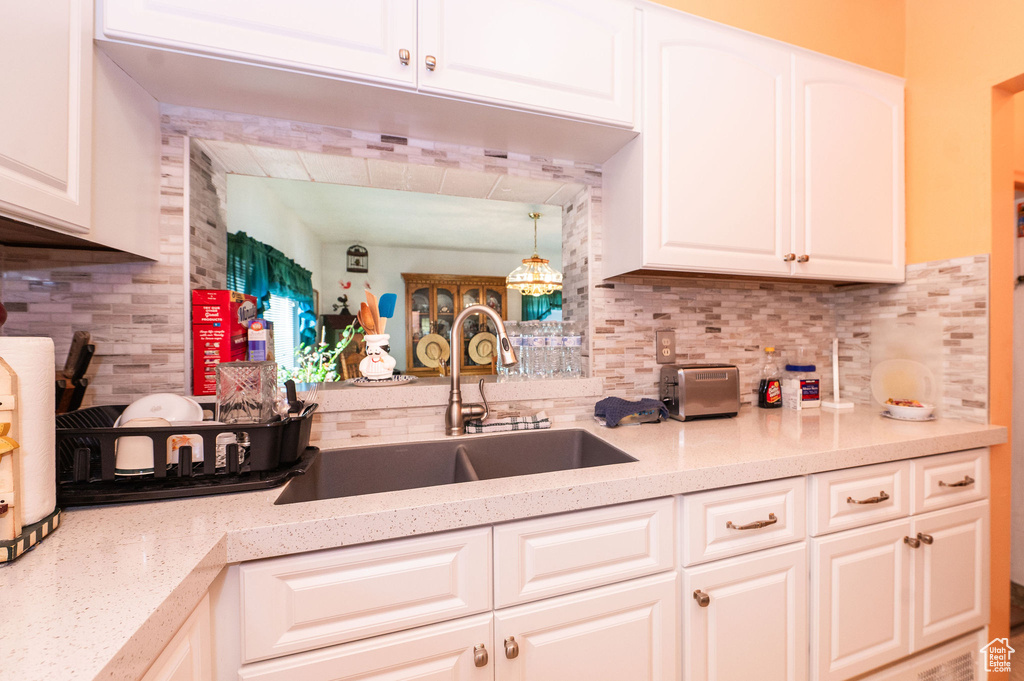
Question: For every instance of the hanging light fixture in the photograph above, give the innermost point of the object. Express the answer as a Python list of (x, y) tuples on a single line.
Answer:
[(535, 277)]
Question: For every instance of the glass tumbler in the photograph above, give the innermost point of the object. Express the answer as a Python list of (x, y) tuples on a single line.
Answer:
[(246, 392)]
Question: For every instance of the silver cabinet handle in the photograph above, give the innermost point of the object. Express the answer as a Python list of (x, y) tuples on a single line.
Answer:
[(789, 257), (912, 542), (702, 598), (803, 258), (431, 63), (511, 648), (966, 482), (882, 496), (480, 655), (404, 57), (925, 538), (756, 525)]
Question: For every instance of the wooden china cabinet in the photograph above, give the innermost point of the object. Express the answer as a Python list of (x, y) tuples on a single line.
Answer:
[(431, 303)]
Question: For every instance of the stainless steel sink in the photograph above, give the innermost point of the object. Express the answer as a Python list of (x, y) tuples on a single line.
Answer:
[(389, 468)]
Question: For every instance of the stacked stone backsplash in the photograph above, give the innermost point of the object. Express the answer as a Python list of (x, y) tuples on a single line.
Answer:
[(136, 310), (208, 224), (133, 308), (956, 292)]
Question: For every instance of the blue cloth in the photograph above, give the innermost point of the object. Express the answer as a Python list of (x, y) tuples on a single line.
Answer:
[(614, 409)]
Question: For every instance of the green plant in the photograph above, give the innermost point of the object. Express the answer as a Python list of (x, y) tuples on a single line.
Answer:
[(318, 363)]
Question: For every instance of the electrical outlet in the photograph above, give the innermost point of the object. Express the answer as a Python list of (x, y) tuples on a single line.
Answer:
[(665, 346)]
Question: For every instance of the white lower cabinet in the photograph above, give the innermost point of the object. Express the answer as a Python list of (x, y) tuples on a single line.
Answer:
[(612, 633), (882, 592), (457, 650), (746, 617), (188, 657)]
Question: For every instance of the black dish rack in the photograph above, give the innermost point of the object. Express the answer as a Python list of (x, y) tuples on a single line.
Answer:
[(277, 451)]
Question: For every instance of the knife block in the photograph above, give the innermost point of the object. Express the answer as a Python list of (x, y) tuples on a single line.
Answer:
[(10, 456)]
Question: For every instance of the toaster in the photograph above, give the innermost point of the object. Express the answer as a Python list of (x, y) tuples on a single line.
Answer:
[(700, 390)]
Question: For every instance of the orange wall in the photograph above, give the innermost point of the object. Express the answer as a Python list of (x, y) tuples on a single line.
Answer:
[(960, 162), (868, 32)]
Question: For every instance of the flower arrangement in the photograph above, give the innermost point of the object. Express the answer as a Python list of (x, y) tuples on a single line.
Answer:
[(318, 363)]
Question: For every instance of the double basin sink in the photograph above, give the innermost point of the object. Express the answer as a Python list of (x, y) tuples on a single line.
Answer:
[(389, 468)]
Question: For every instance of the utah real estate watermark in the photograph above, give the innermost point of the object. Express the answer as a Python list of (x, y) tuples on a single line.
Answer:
[(997, 654)]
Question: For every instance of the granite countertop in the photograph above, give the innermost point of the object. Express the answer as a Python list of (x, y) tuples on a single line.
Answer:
[(101, 597)]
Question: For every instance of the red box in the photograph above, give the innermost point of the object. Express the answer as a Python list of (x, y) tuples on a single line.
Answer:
[(220, 321)]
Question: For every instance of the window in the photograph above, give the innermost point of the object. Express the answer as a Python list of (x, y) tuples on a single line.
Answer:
[(283, 313)]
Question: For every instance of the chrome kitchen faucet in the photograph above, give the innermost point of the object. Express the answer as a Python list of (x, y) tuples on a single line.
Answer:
[(456, 414)]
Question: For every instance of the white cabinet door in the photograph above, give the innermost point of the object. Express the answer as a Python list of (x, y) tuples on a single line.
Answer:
[(860, 600), (46, 119), (950, 573), (848, 165), (611, 633), (717, 152), (754, 623), (450, 651), (350, 38), (188, 657), (571, 57)]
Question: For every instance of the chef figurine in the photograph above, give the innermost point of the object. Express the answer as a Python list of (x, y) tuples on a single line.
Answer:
[(378, 365)]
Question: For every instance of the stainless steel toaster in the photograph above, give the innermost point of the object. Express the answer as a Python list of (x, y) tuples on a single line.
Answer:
[(700, 390)]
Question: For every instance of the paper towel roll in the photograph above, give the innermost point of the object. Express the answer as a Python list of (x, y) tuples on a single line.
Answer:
[(32, 361)]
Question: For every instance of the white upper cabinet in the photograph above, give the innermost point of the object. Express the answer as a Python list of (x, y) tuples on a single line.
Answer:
[(716, 126), (350, 38), (848, 187), (45, 124), (756, 158), (569, 57)]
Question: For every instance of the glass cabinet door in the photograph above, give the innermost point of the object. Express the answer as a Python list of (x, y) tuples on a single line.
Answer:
[(445, 307), (419, 321), (496, 301)]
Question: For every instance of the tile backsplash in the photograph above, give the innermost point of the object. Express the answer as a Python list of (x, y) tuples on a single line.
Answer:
[(135, 310)]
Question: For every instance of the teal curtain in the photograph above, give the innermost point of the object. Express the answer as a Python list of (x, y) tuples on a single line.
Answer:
[(539, 307), (259, 270)]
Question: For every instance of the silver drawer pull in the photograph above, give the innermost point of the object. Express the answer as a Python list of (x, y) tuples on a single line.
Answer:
[(756, 525), (966, 482), (882, 496)]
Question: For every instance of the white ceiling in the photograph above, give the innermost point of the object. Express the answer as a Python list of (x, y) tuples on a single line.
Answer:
[(338, 213), (373, 201)]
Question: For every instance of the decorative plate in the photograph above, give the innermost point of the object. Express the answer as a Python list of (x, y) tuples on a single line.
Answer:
[(364, 382), (889, 415)]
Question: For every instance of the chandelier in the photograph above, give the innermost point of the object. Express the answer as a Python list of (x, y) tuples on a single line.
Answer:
[(535, 277)]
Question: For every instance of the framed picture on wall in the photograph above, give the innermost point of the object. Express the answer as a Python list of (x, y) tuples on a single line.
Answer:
[(358, 259)]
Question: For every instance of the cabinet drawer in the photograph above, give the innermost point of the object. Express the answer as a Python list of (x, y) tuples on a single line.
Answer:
[(949, 479), (549, 556), (307, 601), (841, 500), (440, 651), (727, 522)]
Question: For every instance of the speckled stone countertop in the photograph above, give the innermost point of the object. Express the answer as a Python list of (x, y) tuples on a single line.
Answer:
[(102, 596)]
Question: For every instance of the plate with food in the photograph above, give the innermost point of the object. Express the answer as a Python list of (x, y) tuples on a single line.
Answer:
[(903, 409), (903, 379)]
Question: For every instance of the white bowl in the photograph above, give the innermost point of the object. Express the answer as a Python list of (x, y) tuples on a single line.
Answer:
[(133, 454), (167, 406), (922, 413)]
